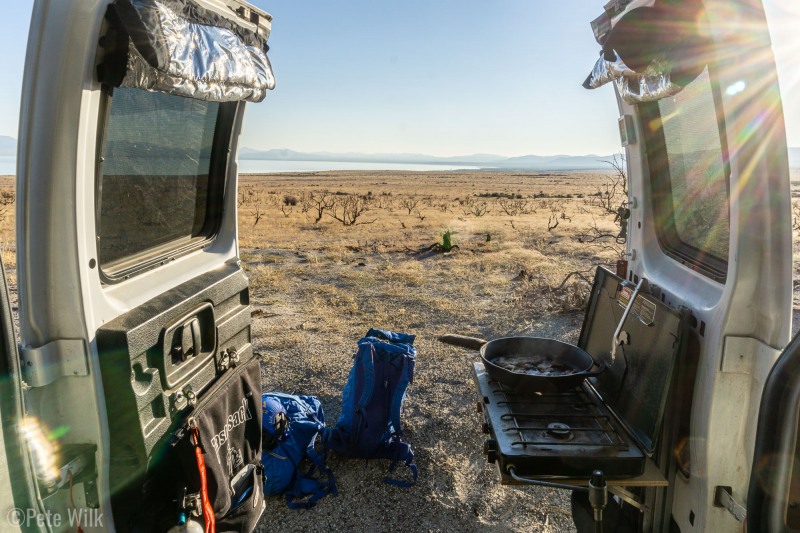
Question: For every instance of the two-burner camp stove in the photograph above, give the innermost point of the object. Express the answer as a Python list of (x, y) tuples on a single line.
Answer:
[(567, 434), (611, 422)]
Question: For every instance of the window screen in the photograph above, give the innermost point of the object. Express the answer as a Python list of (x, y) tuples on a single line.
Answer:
[(157, 184), (688, 165)]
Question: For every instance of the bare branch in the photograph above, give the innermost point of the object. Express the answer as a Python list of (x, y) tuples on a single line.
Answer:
[(477, 209), (352, 207), (552, 222), (256, 212), (318, 203), (513, 208), (577, 273), (409, 203), (796, 216)]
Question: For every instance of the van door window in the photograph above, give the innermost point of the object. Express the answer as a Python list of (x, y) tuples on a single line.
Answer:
[(689, 169), (160, 179)]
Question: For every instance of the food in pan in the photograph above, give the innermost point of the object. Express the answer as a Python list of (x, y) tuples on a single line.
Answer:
[(533, 365)]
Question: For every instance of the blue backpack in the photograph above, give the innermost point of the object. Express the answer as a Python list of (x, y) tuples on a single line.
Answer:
[(369, 426), (291, 425)]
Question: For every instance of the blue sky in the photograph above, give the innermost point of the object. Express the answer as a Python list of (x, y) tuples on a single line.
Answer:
[(445, 77)]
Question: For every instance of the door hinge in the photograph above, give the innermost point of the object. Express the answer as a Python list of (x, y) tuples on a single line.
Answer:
[(723, 497), (45, 364)]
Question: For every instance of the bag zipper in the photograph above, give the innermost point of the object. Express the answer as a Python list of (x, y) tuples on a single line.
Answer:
[(190, 422)]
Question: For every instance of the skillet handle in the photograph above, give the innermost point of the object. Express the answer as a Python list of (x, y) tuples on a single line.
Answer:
[(601, 366), (471, 343)]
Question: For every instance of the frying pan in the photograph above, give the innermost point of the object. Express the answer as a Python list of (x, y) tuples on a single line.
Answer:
[(572, 357)]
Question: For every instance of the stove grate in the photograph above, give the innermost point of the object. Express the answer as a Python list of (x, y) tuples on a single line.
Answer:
[(527, 423)]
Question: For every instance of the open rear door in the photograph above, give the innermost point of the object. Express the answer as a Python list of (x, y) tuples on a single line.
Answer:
[(710, 226), (132, 298), (17, 486), (773, 502)]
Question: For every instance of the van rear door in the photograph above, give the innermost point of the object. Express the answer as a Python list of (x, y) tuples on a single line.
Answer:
[(773, 501), (131, 294), (17, 478), (710, 226)]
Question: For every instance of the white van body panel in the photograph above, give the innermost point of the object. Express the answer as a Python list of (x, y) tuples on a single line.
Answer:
[(747, 320), (62, 299)]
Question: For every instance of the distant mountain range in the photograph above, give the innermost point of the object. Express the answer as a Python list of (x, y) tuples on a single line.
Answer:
[(8, 147), (525, 162)]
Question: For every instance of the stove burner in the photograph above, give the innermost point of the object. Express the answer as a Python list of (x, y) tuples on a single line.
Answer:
[(559, 430)]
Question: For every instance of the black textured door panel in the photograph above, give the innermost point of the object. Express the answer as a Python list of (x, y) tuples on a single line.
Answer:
[(146, 397)]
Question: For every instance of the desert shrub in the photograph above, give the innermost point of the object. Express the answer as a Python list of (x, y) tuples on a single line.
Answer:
[(506, 195), (447, 241), (349, 209), (570, 296), (514, 207), (409, 203)]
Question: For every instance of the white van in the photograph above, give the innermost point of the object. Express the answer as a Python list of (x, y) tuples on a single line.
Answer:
[(133, 306)]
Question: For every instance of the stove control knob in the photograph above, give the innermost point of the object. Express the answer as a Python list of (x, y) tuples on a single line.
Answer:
[(490, 450), (480, 407), (485, 428)]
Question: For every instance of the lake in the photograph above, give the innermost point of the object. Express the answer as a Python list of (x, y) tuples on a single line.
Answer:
[(263, 166), (248, 166)]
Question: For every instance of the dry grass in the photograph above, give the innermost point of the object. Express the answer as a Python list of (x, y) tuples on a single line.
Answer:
[(509, 254), (332, 282), (317, 288), (8, 250)]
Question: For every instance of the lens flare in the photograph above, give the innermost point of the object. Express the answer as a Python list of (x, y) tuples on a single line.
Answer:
[(736, 88), (43, 451)]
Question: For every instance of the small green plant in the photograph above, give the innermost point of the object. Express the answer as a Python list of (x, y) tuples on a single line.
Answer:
[(447, 241), (441, 247)]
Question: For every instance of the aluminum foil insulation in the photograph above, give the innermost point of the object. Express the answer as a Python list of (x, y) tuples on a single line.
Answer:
[(605, 71), (642, 88), (634, 88), (651, 49), (204, 57)]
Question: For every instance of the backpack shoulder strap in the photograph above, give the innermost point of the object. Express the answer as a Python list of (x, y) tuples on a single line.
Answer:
[(366, 354), (399, 396), (401, 451), (304, 485)]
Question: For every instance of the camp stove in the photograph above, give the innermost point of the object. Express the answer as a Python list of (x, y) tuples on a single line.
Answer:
[(610, 422), (560, 434)]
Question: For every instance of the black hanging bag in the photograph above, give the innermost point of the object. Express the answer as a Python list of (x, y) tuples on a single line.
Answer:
[(219, 445)]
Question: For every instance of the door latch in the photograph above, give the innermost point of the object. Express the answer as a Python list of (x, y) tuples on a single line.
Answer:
[(228, 359), (188, 344), (190, 340), (723, 497), (185, 398)]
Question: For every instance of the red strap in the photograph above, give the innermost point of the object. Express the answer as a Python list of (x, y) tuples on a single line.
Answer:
[(208, 510), (72, 503)]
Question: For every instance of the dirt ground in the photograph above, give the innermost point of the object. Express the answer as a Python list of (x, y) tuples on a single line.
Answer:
[(317, 287), (457, 490)]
